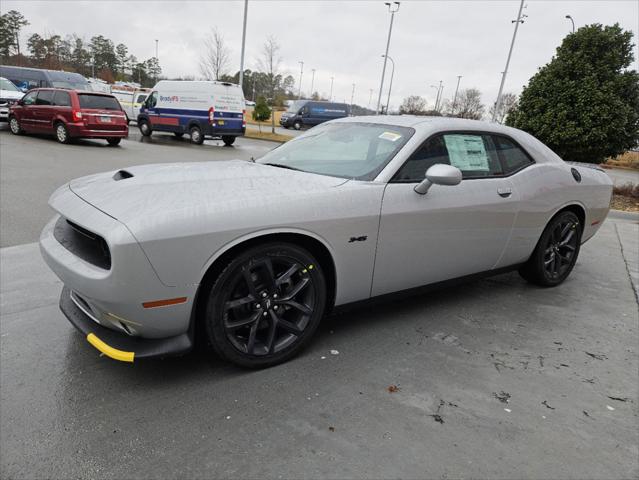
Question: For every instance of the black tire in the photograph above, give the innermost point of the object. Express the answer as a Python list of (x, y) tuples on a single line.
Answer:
[(228, 140), (145, 128), (297, 125), (280, 309), (14, 126), (114, 142), (196, 135), (556, 252), (61, 133), (178, 134)]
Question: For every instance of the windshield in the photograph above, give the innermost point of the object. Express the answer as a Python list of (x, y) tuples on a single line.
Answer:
[(7, 85), (295, 106), (103, 102), (348, 150)]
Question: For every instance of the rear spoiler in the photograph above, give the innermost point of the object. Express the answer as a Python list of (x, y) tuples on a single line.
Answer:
[(587, 165)]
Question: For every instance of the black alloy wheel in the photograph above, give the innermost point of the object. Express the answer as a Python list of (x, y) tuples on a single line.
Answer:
[(556, 252), (265, 305)]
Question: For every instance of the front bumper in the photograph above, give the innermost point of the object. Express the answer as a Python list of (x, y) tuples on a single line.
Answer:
[(119, 346), (4, 113)]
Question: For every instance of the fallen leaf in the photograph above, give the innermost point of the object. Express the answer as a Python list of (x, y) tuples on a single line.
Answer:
[(619, 399), (393, 389), (332, 429), (503, 397), (545, 404), (597, 356), (437, 418)]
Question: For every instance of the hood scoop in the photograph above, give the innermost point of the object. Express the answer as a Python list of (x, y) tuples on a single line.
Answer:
[(122, 175)]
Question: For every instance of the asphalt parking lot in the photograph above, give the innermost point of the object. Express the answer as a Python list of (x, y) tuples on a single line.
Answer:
[(492, 379)]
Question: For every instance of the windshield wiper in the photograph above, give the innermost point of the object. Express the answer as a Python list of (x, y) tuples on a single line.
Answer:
[(280, 165)]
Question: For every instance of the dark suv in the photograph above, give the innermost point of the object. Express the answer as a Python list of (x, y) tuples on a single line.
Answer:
[(308, 113), (69, 114)]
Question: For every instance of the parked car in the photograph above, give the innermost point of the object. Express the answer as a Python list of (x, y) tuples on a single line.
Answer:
[(308, 113), (199, 108), (69, 114), (28, 78), (9, 94), (131, 99), (251, 255)]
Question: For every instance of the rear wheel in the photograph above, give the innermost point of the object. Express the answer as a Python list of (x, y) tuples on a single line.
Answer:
[(265, 305), (114, 141), (228, 140), (196, 135), (62, 133), (14, 125), (556, 252), (145, 128)]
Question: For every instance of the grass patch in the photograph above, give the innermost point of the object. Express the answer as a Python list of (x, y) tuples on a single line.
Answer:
[(625, 197), (274, 137), (626, 160)]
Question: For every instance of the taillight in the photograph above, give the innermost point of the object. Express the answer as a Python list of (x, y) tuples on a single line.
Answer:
[(77, 115), (211, 115), (244, 118)]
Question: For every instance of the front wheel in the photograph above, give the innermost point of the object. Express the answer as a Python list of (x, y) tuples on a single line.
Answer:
[(556, 252), (228, 140), (62, 133), (113, 141), (265, 305), (196, 135), (145, 128), (297, 125), (15, 127)]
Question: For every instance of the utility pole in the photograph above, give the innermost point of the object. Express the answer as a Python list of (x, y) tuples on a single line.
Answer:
[(156, 50), (519, 20), (330, 97), (455, 97), (352, 96), (312, 81), (392, 9), (571, 21), (243, 45), (390, 86), (301, 73)]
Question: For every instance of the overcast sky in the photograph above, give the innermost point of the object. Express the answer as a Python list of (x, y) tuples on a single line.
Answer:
[(431, 41)]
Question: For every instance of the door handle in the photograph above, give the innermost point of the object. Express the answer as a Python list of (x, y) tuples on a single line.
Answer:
[(505, 192)]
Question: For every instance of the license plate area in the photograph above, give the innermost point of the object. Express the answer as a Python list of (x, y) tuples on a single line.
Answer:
[(105, 119), (220, 122)]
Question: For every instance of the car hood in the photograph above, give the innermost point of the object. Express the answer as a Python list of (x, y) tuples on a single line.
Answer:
[(158, 190), (11, 95)]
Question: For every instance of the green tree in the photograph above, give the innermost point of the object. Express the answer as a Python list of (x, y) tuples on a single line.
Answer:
[(261, 112), (37, 47), (10, 25), (122, 55), (153, 68), (584, 104)]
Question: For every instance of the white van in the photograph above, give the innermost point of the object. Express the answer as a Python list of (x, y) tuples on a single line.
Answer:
[(131, 99), (9, 94), (199, 108)]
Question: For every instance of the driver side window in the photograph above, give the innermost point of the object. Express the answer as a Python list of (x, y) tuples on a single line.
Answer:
[(29, 98), (431, 152), (152, 101)]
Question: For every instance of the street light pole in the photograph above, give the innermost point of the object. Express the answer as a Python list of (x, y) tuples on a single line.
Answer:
[(330, 97), (312, 81), (439, 91), (352, 96), (301, 73), (390, 86), (510, 52), (392, 11), (243, 44), (156, 49), (455, 97), (571, 21)]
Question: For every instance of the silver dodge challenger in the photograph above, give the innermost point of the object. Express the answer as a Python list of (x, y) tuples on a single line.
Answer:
[(249, 256)]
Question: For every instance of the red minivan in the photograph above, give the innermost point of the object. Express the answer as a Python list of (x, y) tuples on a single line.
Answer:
[(69, 114)]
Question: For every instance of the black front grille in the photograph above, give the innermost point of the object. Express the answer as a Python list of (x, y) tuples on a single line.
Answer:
[(90, 247)]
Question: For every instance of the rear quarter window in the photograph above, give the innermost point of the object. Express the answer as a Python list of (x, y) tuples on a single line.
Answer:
[(101, 102)]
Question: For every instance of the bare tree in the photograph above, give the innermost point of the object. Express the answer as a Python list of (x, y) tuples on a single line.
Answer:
[(215, 60), (270, 62), (469, 104), (413, 105), (507, 104)]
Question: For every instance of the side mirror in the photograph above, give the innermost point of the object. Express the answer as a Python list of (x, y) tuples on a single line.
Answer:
[(439, 174)]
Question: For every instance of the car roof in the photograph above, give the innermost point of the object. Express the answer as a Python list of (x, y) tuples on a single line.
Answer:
[(83, 92)]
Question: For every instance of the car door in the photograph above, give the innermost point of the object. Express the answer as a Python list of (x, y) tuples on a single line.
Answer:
[(451, 231), (43, 111), (26, 117), (152, 110)]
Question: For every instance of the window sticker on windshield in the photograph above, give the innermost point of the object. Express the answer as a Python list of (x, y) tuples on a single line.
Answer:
[(392, 136), (467, 152)]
